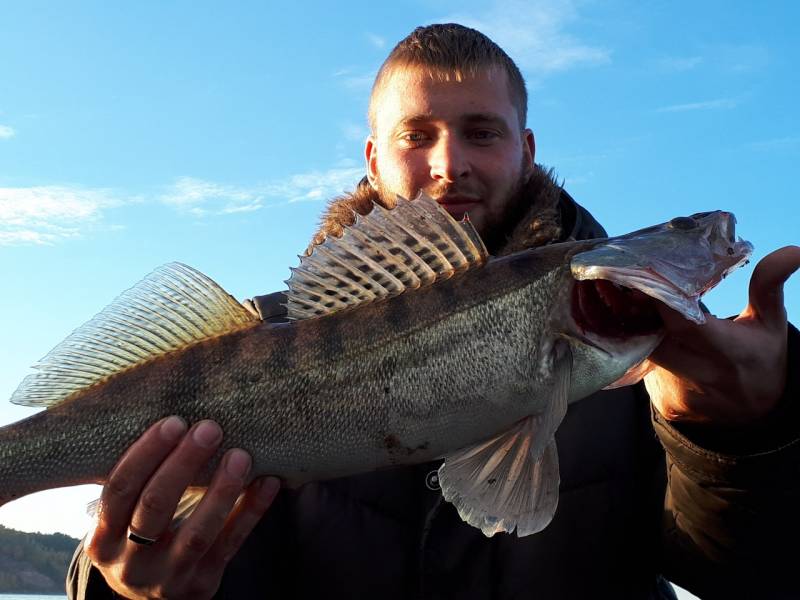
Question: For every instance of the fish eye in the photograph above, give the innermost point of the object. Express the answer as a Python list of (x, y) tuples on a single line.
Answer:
[(682, 223)]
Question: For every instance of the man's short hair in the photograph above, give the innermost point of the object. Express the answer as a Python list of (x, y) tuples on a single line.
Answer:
[(451, 52)]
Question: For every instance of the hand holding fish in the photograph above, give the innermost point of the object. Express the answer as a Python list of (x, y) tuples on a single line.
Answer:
[(727, 372), (140, 497)]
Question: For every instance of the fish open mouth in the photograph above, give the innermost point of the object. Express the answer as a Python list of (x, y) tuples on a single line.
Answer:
[(611, 310), (674, 263)]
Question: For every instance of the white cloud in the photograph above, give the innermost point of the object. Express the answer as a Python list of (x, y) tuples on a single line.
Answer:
[(376, 40), (241, 208), (534, 35), (6, 132), (26, 237), (202, 198), (319, 185), (720, 103), (48, 214)]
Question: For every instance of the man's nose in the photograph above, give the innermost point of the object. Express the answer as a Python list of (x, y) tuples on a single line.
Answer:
[(448, 160)]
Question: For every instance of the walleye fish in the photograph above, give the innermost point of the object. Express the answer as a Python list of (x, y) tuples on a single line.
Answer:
[(407, 343)]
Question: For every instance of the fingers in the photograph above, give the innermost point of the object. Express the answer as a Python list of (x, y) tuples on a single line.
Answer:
[(675, 322), (248, 512), (196, 536), (188, 551), (142, 493), (766, 285), (684, 338), (127, 479), (161, 494), (727, 371)]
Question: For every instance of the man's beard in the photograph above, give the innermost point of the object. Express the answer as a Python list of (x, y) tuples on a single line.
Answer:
[(496, 228)]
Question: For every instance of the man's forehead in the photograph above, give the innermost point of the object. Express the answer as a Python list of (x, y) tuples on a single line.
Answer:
[(463, 117), (411, 94), (424, 73), (402, 82)]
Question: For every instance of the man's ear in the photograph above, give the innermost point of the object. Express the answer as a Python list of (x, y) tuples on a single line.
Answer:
[(529, 150), (371, 157)]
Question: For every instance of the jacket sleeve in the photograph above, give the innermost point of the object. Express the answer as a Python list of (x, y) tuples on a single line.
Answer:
[(730, 509)]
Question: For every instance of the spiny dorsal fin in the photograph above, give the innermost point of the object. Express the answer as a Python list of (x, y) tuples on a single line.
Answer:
[(171, 308), (381, 255)]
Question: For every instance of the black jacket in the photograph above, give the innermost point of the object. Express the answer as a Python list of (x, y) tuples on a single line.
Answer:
[(640, 501)]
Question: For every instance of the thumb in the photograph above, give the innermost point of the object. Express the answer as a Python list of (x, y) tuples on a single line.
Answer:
[(766, 285)]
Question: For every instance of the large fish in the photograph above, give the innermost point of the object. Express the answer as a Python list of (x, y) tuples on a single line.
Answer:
[(407, 343)]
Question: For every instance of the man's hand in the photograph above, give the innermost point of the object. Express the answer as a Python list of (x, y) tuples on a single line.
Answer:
[(727, 372), (142, 493)]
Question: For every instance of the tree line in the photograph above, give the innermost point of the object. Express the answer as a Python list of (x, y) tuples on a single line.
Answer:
[(34, 562)]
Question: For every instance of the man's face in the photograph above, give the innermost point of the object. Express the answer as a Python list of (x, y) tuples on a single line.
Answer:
[(460, 142)]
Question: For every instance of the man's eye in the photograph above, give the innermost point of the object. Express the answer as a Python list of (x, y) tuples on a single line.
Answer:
[(413, 137), (483, 135)]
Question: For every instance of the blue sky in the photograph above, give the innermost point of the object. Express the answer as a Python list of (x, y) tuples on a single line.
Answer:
[(136, 134)]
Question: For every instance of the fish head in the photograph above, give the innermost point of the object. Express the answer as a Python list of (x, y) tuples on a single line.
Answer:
[(675, 262), (613, 318)]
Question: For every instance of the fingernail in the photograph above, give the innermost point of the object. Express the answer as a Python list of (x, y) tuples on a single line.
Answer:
[(207, 434), (172, 428), (238, 463)]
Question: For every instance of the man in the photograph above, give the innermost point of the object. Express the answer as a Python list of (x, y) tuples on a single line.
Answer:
[(447, 116)]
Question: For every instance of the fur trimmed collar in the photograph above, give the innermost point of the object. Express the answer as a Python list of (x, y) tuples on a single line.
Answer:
[(535, 216)]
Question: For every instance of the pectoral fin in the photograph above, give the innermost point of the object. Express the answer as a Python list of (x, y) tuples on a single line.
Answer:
[(188, 503), (511, 481), (633, 375)]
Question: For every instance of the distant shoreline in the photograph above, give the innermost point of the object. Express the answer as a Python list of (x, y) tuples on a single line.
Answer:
[(34, 563)]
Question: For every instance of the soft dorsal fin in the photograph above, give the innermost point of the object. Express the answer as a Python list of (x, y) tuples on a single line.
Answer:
[(381, 255), (173, 307)]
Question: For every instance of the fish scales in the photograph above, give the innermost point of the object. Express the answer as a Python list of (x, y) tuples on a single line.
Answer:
[(477, 366), (327, 411)]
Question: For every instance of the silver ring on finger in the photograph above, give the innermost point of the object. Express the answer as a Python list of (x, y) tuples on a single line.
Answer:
[(140, 539)]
